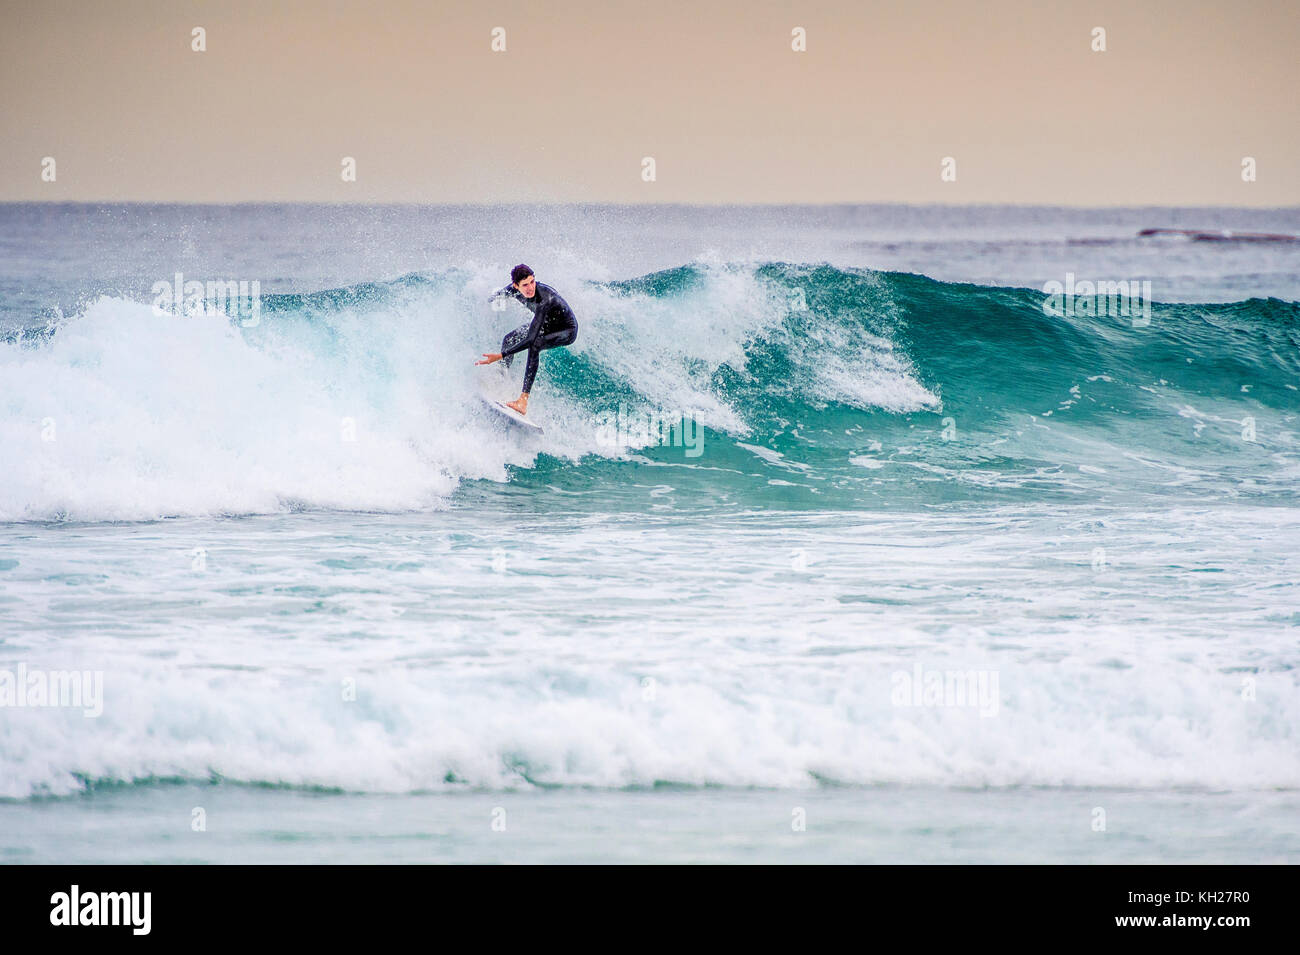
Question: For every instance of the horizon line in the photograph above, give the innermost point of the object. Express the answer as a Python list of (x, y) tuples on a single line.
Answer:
[(613, 204)]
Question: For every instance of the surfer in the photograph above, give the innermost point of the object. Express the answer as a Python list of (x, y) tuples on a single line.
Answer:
[(553, 326)]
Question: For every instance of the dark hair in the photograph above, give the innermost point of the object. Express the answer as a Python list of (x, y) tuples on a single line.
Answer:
[(519, 273)]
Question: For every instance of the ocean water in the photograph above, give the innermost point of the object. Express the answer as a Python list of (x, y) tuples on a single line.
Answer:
[(836, 546)]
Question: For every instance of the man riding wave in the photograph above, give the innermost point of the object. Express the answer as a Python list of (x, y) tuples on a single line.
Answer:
[(553, 326)]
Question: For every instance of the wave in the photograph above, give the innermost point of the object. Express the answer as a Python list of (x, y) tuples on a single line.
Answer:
[(810, 386), (1171, 725)]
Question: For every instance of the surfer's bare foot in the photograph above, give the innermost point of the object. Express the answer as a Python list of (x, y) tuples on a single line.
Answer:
[(520, 404)]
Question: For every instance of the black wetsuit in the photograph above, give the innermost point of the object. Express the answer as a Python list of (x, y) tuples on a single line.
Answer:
[(553, 326)]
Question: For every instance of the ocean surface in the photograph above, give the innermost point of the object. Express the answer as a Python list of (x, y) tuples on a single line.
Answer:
[(843, 542)]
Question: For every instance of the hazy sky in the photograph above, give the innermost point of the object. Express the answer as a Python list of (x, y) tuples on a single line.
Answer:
[(711, 90)]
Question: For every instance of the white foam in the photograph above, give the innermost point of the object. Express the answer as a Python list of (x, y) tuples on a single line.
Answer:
[(511, 725), (126, 415)]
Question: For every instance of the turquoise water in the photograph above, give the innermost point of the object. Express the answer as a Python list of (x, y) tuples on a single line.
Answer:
[(946, 571)]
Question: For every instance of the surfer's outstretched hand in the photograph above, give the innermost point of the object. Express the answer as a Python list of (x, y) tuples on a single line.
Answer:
[(488, 358)]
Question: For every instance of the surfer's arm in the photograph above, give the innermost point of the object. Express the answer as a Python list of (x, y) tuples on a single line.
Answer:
[(508, 292), (539, 319)]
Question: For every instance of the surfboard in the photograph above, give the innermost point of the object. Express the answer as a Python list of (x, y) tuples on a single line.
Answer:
[(511, 413)]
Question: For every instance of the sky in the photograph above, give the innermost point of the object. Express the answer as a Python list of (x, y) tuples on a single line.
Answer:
[(711, 90)]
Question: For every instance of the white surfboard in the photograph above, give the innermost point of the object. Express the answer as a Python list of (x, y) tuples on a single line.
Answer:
[(510, 413)]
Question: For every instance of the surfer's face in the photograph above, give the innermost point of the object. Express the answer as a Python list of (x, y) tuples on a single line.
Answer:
[(528, 286)]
